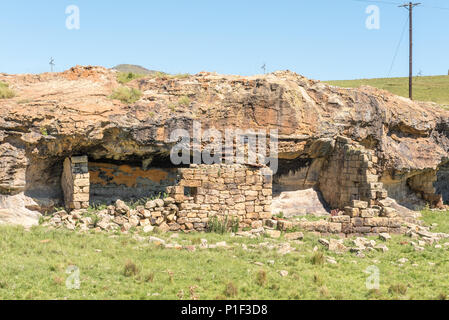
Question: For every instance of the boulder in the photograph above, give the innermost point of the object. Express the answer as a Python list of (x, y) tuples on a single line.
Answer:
[(121, 208)]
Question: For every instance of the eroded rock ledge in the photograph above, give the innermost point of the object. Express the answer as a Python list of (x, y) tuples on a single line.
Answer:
[(60, 115)]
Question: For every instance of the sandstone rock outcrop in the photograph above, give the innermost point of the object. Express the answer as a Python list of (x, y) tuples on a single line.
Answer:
[(59, 115)]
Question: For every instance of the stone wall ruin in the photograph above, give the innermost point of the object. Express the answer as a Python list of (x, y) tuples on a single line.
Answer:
[(348, 181), (227, 192), (349, 174), (75, 182)]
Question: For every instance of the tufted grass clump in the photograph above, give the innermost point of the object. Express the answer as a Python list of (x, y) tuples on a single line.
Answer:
[(125, 77), (184, 101), (261, 278), (398, 288), (231, 290), (126, 95), (130, 269), (5, 91), (223, 225), (317, 258)]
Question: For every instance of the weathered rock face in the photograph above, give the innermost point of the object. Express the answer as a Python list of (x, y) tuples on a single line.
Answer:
[(59, 115)]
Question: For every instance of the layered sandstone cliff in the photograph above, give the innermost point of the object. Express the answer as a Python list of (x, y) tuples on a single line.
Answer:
[(58, 115)]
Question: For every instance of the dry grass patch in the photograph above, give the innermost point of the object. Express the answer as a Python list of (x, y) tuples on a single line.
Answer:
[(5, 91)]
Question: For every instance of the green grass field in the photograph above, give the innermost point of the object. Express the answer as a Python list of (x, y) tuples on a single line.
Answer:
[(433, 88), (34, 265)]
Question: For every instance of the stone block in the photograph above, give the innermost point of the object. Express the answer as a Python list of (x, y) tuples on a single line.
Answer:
[(357, 222), (367, 213), (359, 204), (284, 225), (352, 212), (79, 159), (341, 219), (334, 227), (362, 229)]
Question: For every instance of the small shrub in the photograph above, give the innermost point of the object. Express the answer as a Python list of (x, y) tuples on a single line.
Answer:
[(374, 293), (164, 75), (216, 225), (126, 95), (43, 131), (235, 224), (224, 225), (125, 77), (184, 101), (231, 290), (442, 296), (181, 75), (151, 114), (324, 292), (58, 280), (261, 278), (317, 279), (95, 220), (5, 91), (130, 269), (171, 276), (149, 277), (274, 287), (317, 258), (180, 294), (398, 288), (160, 74)]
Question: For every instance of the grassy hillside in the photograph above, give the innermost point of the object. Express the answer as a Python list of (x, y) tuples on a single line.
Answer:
[(126, 68), (434, 88), (39, 264)]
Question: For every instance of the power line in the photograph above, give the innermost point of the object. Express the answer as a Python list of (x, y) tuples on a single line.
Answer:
[(433, 7), (378, 1), (398, 46), (398, 3)]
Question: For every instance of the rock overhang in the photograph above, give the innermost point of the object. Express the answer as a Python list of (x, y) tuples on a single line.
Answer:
[(55, 116)]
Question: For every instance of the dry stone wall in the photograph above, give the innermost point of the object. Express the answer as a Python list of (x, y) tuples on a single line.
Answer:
[(207, 193), (350, 185), (234, 191), (224, 192), (424, 185), (350, 174), (75, 182), (358, 219)]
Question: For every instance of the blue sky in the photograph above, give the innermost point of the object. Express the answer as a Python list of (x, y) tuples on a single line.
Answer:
[(321, 39)]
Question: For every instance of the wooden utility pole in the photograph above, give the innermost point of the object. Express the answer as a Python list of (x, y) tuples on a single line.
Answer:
[(409, 6)]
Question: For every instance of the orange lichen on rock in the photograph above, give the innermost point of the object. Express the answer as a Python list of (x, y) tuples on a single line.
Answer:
[(84, 72), (106, 173)]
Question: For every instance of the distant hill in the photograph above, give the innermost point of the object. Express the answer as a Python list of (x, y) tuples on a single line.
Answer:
[(432, 88), (133, 68)]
